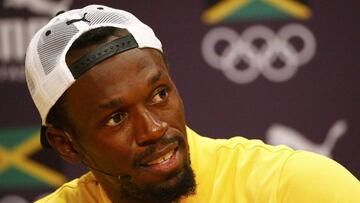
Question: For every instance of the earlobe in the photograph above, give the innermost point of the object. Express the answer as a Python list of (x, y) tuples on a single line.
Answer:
[(63, 144)]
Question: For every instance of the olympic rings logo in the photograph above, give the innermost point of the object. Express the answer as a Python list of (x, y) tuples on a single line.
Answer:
[(259, 59)]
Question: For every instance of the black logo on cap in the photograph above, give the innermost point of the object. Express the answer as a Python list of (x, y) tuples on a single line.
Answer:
[(77, 20)]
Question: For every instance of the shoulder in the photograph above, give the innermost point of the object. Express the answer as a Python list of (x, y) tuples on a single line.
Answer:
[(309, 177), (237, 149), (235, 142), (236, 145), (276, 172), (241, 167), (72, 191)]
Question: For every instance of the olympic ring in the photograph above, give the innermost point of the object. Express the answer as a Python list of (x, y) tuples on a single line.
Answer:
[(259, 58)]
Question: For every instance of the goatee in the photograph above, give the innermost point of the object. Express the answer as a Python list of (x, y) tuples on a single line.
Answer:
[(162, 193)]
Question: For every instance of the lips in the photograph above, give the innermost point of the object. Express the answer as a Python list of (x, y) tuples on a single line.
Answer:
[(160, 156), (162, 159)]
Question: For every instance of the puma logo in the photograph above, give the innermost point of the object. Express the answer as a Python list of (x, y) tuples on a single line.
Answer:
[(77, 20), (280, 134), (47, 7)]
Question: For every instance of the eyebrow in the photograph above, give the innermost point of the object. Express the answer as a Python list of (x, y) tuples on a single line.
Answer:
[(117, 101), (111, 104), (155, 78)]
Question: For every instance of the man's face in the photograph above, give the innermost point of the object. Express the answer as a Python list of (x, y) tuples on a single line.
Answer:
[(129, 121)]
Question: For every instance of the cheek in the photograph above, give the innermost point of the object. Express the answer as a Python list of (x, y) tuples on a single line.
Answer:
[(117, 148), (117, 159), (174, 114), (180, 106), (110, 152)]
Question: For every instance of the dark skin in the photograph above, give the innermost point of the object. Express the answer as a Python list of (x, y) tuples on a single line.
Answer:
[(126, 112)]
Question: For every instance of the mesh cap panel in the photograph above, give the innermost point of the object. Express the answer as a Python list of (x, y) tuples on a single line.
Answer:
[(53, 42), (104, 16)]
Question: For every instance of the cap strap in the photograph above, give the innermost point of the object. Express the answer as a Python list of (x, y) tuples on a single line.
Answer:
[(101, 53)]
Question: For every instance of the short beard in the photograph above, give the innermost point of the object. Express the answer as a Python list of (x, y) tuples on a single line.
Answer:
[(162, 193)]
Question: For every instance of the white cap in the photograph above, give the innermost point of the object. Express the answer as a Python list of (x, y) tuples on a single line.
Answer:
[(47, 74)]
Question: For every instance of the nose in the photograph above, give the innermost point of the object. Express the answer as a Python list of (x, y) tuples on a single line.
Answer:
[(149, 128)]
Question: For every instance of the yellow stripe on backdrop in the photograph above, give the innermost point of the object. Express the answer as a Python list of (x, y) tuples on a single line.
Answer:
[(292, 7), (221, 10), (17, 157)]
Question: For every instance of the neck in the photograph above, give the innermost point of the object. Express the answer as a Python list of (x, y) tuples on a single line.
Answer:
[(111, 188)]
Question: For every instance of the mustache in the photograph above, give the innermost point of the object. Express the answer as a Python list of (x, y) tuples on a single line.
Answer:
[(165, 140)]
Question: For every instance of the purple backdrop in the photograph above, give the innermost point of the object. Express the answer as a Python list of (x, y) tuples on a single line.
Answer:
[(280, 72)]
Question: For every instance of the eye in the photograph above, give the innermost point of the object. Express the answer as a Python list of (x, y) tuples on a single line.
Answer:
[(161, 95), (116, 119)]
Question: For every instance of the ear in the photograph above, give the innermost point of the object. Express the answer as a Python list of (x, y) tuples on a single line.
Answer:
[(61, 142)]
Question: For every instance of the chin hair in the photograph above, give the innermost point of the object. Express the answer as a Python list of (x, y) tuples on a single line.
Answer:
[(162, 193)]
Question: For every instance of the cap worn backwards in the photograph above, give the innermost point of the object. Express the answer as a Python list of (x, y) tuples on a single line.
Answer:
[(47, 74)]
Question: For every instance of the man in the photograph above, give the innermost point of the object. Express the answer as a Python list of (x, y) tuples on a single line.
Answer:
[(101, 83)]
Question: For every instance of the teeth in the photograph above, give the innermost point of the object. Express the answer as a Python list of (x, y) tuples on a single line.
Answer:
[(166, 157)]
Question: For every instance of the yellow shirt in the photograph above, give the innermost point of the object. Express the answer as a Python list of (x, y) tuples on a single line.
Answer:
[(244, 171)]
